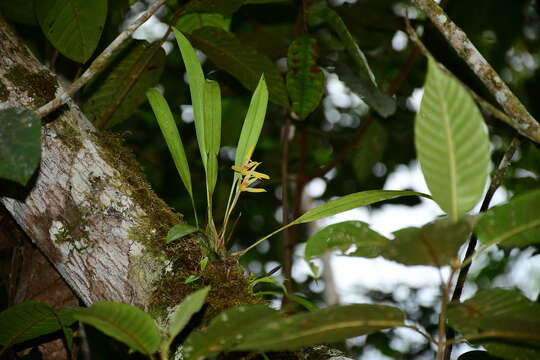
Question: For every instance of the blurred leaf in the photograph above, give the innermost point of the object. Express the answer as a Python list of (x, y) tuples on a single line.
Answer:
[(179, 231), (117, 93), (196, 88), (241, 61), (268, 280), (305, 81), (125, 323), (263, 1), (515, 224), (172, 138), (191, 278), (253, 123), (227, 330), (434, 244), (20, 144), (369, 151), (308, 305), (21, 12), (72, 26), (504, 321), (234, 112), (191, 305), (477, 355), (320, 327), (193, 21), (227, 7), (212, 131), (345, 236), (29, 320), (116, 11), (452, 143), (352, 201)]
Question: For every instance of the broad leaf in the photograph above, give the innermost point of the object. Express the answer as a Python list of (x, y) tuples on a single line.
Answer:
[(227, 7), (434, 244), (193, 21), (515, 224), (452, 143), (353, 238), (196, 88), (305, 81), (321, 327), (115, 95), (72, 26), (503, 321), (227, 330), (179, 231), (369, 151), (190, 306), (253, 123), (29, 320), (20, 144), (241, 61), (172, 137), (212, 131), (125, 323)]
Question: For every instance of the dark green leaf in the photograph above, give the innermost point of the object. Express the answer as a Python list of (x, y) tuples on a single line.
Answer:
[(116, 93), (72, 26), (452, 143), (227, 7), (179, 231), (345, 236), (305, 81), (241, 61), (505, 322), (370, 151), (193, 21), (21, 12), (227, 330), (515, 224), (29, 320), (477, 355), (20, 144), (434, 244), (320, 327), (125, 323)]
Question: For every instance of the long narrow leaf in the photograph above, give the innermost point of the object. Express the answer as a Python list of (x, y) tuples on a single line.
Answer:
[(196, 87), (172, 137), (212, 131), (253, 123)]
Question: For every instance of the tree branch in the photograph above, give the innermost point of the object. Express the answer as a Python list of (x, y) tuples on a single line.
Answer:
[(519, 117)]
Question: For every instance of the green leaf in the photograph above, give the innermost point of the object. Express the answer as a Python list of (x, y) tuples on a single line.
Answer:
[(72, 26), (226, 330), (452, 143), (191, 278), (503, 321), (193, 21), (370, 151), (308, 305), (179, 231), (20, 144), (29, 320), (321, 327), (174, 143), (125, 323), (227, 7), (191, 305), (241, 61), (115, 95), (352, 201), (196, 88), (263, 1), (305, 81), (344, 237), (253, 123), (515, 224), (434, 244), (212, 131)]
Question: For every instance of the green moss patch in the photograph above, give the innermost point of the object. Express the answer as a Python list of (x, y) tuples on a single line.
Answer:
[(40, 86)]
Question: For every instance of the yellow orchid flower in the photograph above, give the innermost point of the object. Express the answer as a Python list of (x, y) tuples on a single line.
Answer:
[(249, 175)]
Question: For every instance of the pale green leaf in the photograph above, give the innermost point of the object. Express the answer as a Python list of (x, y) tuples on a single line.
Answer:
[(29, 320), (345, 237), (72, 26), (320, 327), (191, 278), (253, 123), (170, 132), (20, 144), (452, 143), (125, 323), (196, 20), (183, 312), (179, 231), (196, 87)]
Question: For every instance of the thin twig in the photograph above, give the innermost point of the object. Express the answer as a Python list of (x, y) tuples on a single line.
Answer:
[(99, 63), (288, 244), (519, 117), (446, 288)]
